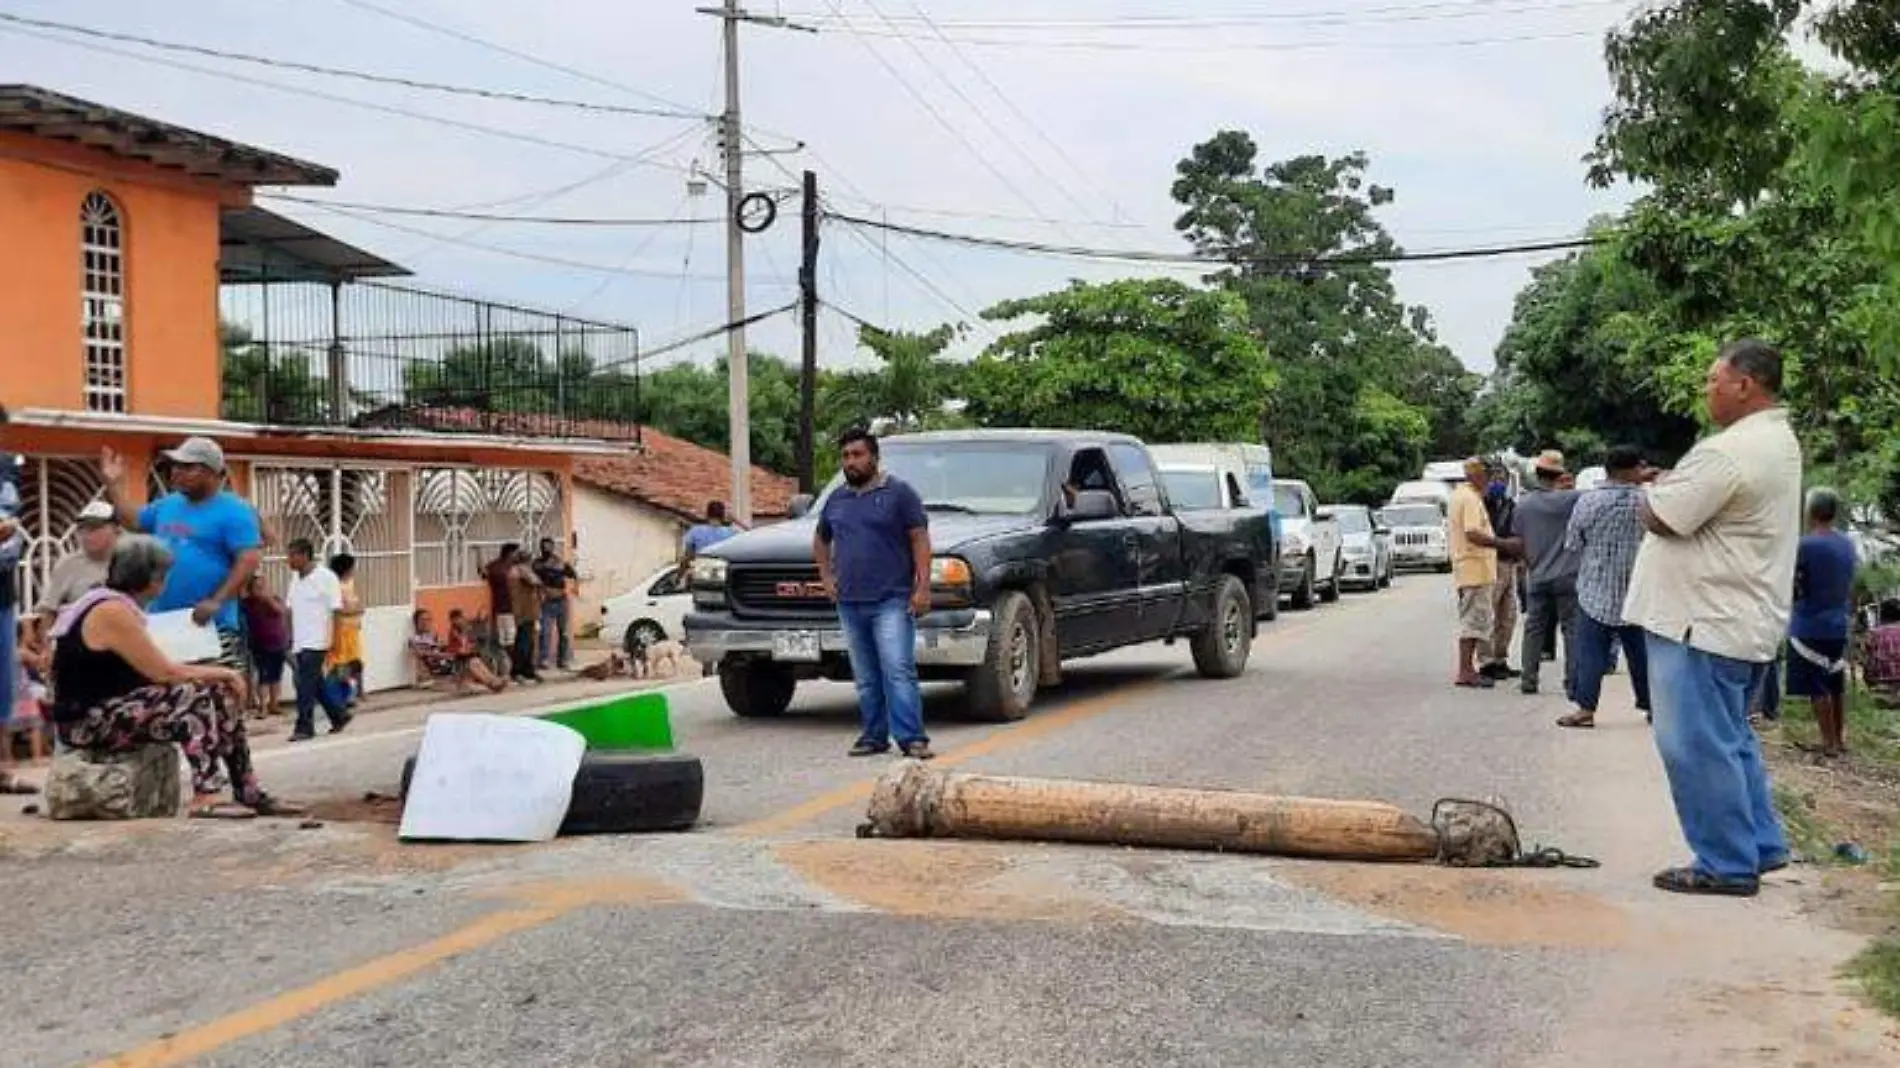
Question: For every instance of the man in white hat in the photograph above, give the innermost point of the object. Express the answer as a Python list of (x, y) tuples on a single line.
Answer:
[(81, 571), (213, 535)]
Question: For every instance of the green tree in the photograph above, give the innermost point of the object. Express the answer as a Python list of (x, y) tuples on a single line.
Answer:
[(1154, 358), (259, 385), (910, 387), (689, 401), (1298, 236)]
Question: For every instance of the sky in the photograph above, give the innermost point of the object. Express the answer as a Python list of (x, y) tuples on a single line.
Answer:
[(1035, 122)]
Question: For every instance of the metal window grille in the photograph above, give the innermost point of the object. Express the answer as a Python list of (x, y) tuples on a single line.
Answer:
[(102, 307), (364, 511), (464, 515)]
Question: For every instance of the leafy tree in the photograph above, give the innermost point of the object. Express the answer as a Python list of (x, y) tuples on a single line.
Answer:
[(910, 388), (1298, 236), (689, 401), (1154, 358), (259, 385)]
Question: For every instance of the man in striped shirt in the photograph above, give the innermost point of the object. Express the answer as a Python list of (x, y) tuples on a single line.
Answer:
[(1605, 531)]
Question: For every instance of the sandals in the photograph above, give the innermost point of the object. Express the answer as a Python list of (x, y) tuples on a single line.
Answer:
[(1691, 881), (266, 805), (1479, 683), (14, 787), (222, 810), (1578, 720)]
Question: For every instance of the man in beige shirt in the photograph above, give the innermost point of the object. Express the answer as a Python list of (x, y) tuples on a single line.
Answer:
[(1713, 588), (1474, 559)]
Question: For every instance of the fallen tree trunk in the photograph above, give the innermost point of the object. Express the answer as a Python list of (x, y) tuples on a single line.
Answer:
[(915, 801)]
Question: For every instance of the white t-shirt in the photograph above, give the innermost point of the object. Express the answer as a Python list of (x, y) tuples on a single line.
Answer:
[(313, 599), (1725, 583)]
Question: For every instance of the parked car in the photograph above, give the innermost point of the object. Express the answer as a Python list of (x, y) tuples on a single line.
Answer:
[(1213, 478), (1421, 536), (1049, 545), (654, 610), (1310, 557), (1365, 544), (1426, 490)]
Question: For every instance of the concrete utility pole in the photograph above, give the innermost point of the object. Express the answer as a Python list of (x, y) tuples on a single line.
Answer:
[(732, 143)]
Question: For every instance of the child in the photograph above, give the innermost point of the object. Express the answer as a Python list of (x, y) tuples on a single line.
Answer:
[(346, 646), (29, 714), (267, 630), (453, 659)]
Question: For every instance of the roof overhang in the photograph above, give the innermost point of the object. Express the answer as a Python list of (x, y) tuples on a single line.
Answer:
[(36, 112), (255, 245)]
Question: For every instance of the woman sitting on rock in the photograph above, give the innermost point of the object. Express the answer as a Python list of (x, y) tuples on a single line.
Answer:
[(114, 691)]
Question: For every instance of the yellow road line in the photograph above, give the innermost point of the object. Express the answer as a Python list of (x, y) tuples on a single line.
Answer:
[(268, 1015)]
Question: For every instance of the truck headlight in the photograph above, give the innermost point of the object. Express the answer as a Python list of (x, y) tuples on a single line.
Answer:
[(708, 571), (950, 582)]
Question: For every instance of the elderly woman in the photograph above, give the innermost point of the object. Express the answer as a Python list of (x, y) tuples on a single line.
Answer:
[(114, 690)]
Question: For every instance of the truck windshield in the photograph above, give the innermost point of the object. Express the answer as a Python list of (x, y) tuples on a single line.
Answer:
[(1288, 502), (1412, 515), (1191, 488), (983, 478), (1352, 521)]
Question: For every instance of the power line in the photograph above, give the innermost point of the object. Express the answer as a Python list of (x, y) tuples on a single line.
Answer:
[(1265, 46), (1398, 13), (451, 213), (318, 94), (526, 57), (633, 255), (1192, 259), (695, 338), (931, 109), (344, 72)]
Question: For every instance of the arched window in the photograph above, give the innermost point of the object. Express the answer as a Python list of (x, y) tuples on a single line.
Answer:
[(102, 312)]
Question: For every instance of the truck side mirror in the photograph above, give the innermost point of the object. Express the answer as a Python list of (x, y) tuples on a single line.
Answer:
[(1089, 505), (800, 506)]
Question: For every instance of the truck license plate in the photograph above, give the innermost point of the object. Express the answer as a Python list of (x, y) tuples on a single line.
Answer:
[(797, 646)]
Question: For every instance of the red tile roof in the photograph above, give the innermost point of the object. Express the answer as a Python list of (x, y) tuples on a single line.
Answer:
[(680, 477)]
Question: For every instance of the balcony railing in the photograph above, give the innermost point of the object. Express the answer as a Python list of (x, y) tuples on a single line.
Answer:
[(373, 354)]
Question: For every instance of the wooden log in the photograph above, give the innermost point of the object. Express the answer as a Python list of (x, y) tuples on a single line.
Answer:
[(917, 801)]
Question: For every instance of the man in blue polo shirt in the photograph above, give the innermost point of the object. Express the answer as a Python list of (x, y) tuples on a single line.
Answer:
[(213, 534), (873, 552)]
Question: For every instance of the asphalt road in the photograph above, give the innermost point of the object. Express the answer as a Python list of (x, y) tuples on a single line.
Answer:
[(771, 936)]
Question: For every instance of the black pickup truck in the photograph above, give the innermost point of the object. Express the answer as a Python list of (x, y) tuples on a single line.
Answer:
[(1049, 545)]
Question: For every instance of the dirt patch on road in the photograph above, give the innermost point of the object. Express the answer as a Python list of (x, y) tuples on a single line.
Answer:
[(1488, 907), (949, 880)]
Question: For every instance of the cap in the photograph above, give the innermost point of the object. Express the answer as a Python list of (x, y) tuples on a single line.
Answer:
[(98, 512), (1551, 460), (200, 451)]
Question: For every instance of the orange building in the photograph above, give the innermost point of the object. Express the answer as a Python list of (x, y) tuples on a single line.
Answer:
[(200, 313)]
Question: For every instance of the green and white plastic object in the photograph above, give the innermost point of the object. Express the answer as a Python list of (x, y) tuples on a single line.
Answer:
[(637, 721)]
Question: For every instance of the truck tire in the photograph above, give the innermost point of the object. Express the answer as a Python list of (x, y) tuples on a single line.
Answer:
[(1303, 596), (1220, 650), (1269, 606), (1331, 593), (1001, 688), (757, 689), (626, 792)]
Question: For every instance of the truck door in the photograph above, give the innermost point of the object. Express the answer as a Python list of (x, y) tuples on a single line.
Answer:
[(1092, 570), (1160, 562)]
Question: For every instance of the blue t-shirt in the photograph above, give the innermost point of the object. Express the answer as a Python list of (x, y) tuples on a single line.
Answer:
[(1823, 587), (703, 536), (869, 532), (206, 539)]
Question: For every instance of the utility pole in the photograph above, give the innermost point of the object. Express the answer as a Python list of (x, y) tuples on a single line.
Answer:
[(732, 143), (808, 364)]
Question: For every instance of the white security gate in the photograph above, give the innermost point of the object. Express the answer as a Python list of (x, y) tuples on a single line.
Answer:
[(361, 510), (52, 491), (464, 515)]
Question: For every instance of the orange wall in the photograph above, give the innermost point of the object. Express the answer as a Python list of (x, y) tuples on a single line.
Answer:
[(171, 267)]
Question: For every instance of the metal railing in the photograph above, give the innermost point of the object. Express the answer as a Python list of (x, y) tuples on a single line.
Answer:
[(377, 355)]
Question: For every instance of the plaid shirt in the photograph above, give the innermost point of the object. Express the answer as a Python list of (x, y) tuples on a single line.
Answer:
[(1883, 655), (1606, 529)]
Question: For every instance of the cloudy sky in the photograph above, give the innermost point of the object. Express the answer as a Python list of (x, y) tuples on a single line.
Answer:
[(1037, 122)]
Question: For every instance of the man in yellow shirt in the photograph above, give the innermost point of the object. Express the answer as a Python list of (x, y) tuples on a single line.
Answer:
[(1474, 557)]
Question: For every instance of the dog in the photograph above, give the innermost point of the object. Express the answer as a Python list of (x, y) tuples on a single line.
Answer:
[(662, 653)]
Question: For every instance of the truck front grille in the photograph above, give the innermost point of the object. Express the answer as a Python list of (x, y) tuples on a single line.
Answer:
[(777, 591)]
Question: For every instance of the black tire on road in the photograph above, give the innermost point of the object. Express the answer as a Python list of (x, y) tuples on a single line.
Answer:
[(626, 792), (1269, 606), (647, 630), (1445, 568), (1001, 688), (1220, 650), (1331, 593), (1303, 597), (1385, 580), (757, 689)]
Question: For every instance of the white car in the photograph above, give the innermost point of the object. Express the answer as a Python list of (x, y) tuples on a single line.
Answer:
[(1311, 560), (655, 610), (1421, 538)]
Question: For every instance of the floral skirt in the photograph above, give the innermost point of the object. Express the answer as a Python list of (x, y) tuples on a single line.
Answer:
[(197, 717)]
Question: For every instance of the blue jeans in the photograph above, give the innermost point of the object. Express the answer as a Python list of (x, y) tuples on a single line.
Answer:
[(308, 664), (883, 640), (554, 624), (9, 661), (1714, 759), (1596, 653)]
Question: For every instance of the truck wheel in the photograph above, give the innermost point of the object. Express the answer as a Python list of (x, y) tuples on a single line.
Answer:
[(1001, 688), (1331, 593), (626, 792), (1445, 568), (1303, 597), (1269, 606), (1220, 650), (642, 635), (757, 689)]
